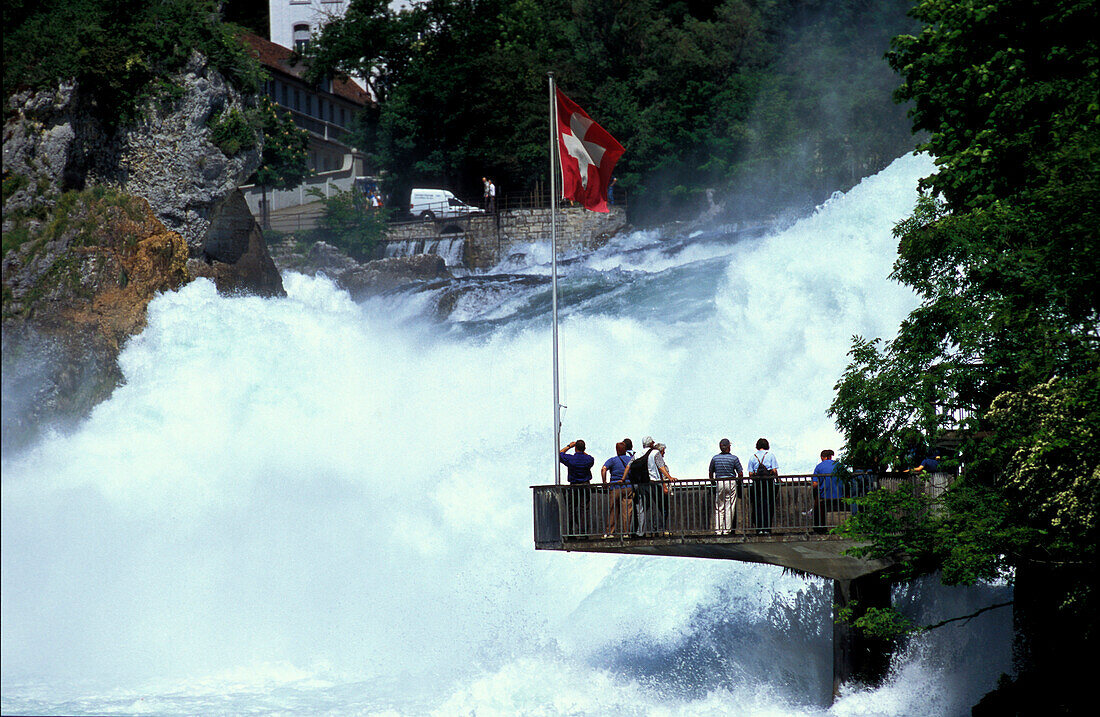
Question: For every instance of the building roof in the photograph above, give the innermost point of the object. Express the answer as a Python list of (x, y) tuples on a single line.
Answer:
[(278, 58)]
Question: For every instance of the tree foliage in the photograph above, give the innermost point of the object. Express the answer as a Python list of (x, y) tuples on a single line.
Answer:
[(120, 52), (703, 94), (285, 160), (349, 223), (1003, 251)]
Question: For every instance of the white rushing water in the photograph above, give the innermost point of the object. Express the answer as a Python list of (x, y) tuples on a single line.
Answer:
[(305, 505)]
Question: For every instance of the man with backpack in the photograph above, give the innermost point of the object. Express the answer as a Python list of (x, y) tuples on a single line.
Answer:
[(645, 498), (763, 468)]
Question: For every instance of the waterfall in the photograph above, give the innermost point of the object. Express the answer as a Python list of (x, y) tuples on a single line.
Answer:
[(304, 504), (448, 247)]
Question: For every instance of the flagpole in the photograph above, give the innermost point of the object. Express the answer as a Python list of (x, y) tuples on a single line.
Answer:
[(554, 275)]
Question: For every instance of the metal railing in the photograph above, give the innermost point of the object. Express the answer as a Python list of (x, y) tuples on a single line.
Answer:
[(540, 199), (696, 508)]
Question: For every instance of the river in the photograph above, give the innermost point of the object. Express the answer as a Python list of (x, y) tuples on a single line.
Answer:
[(306, 505)]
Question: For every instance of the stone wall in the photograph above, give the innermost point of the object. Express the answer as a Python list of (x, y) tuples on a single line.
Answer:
[(491, 238)]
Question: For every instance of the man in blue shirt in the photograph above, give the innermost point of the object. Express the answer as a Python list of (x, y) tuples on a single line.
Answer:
[(619, 504), (930, 464), (827, 490), (579, 474)]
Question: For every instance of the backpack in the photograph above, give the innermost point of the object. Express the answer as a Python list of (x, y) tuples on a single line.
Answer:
[(761, 470), (638, 470)]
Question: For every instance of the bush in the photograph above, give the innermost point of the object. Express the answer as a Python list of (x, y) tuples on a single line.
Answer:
[(350, 224), (231, 132)]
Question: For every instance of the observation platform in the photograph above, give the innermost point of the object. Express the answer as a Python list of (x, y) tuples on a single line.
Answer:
[(709, 519)]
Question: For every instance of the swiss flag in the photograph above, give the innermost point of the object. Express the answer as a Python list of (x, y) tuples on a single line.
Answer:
[(588, 155)]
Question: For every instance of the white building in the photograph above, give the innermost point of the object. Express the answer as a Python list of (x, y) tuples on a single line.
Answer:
[(293, 22), (325, 110)]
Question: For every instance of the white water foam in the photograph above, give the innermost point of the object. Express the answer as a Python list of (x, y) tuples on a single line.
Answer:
[(305, 505)]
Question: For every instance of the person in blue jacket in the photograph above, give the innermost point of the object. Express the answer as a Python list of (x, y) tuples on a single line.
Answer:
[(827, 490), (579, 474)]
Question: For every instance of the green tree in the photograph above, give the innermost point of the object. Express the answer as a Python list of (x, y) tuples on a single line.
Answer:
[(703, 94), (120, 52), (1003, 251), (350, 223), (285, 160)]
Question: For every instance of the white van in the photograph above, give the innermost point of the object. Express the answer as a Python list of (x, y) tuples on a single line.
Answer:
[(438, 204)]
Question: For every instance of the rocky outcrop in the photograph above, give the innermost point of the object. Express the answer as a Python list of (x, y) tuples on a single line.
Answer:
[(56, 140), (73, 294), (235, 255), (360, 279), (317, 258)]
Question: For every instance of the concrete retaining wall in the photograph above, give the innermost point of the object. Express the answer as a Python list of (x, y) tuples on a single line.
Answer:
[(491, 238)]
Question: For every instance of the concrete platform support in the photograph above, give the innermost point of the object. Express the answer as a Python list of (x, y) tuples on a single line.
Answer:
[(857, 658)]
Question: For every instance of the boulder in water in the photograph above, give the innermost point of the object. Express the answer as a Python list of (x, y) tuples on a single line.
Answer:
[(382, 275)]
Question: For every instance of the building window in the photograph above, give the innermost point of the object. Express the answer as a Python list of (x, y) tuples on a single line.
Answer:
[(301, 37), (343, 118), (286, 94)]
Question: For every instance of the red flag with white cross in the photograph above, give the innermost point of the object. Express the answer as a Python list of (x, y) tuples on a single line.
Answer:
[(588, 155)]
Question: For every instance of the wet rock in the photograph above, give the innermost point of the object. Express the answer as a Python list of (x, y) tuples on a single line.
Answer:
[(481, 290), (312, 259), (324, 258), (382, 275), (236, 258)]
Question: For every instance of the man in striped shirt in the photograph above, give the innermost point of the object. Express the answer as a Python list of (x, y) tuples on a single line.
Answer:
[(725, 468)]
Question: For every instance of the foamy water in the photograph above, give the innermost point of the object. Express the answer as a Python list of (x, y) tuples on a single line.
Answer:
[(305, 505)]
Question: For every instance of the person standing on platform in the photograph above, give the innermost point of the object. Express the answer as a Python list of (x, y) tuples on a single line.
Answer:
[(658, 473), (619, 504), (579, 474), (645, 498), (827, 490), (764, 469), (725, 470)]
